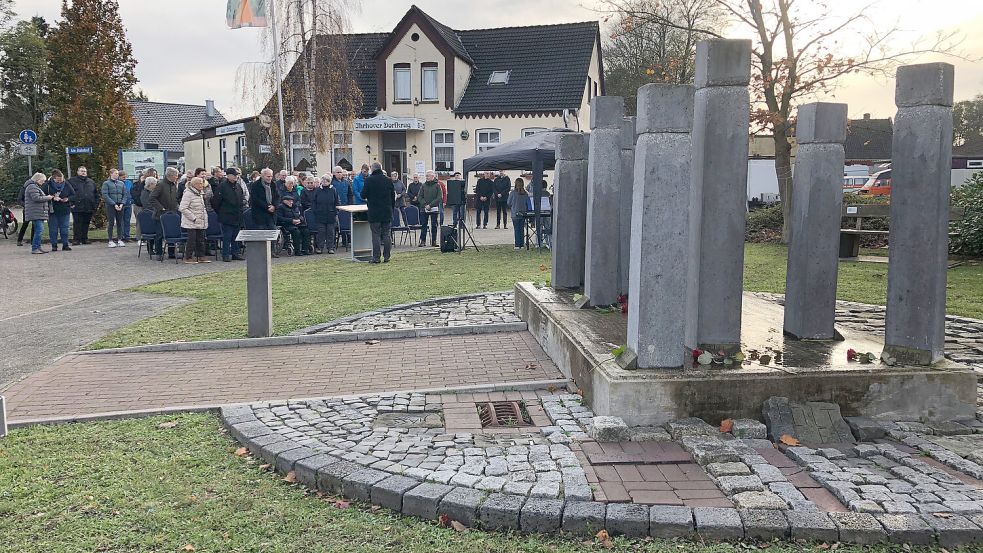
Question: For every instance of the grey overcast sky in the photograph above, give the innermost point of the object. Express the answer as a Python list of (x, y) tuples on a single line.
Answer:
[(186, 54)]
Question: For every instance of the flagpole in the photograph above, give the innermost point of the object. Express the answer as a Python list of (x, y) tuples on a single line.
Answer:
[(279, 80)]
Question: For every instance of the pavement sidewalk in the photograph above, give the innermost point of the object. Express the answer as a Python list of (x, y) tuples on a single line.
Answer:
[(85, 385)]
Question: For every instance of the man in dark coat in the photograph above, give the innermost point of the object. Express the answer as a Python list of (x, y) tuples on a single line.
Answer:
[(164, 198), (227, 202), (83, 205), (503, 185), (289, 218), (325, 208), (263, 199), (379, 194), (483, 191), (62, 194)]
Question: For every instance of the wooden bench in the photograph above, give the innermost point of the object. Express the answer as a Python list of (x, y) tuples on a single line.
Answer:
[(850, 237)]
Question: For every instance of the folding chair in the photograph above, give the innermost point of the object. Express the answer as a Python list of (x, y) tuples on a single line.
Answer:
[(171, 223), (398, 225), (148, 230)]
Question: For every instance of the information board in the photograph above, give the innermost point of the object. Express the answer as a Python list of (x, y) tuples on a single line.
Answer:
[(135, 162), (258, 235)]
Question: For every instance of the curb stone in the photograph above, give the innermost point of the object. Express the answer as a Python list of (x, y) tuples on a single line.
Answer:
[(513, 512)]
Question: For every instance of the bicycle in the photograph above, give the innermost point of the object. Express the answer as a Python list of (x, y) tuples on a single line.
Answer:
[(7, 220)]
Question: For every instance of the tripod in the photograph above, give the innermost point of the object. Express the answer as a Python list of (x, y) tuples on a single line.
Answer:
[(463, 233)]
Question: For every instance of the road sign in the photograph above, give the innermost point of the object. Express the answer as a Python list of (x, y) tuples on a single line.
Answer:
[(78, 150), (27, 136), (27, 149)]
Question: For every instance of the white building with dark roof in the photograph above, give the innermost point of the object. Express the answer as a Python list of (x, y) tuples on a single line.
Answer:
[(436, 95), (164, 126)]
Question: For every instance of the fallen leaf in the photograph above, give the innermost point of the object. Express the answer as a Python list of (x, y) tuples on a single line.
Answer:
[(341, 504), (531, 365), (443, 521), (789, 440), (291, 477), (171, 424), (265, 467), (943, 515), (372, 342), (726, 425), (551, 388), (602, 535), (457, 526), (542, 267), (188, 547), (242, 452)]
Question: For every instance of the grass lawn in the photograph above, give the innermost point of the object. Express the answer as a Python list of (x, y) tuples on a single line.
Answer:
[(328, 287), (325, 288), (135, 486)]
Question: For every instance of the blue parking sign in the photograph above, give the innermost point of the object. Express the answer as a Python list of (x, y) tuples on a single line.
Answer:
[(27, 136)]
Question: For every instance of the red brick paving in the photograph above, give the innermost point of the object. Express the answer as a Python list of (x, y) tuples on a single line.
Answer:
[(635, 452), (78, 385), (824, 499)]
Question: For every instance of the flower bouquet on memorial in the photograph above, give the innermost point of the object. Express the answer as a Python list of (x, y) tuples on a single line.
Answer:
[(702, 357)]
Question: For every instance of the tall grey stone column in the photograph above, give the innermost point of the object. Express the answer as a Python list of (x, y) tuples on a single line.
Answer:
[(718, 195), (603, 200), (569, 210), (627, 176), (813, 255), (660, 226), (920, 173)]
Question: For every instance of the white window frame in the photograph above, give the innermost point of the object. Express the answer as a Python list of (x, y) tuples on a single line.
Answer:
[(531, 130), (241, 151), (347, 145), (482, 145), (424, 70), (974, 163), (444, 133), (223, 155), (499, 77), (409, 83), (297, 140)]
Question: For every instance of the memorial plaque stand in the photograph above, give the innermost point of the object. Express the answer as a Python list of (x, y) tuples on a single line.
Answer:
[(361, 237), (259, 280)]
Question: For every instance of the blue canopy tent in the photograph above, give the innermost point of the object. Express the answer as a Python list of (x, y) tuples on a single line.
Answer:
[(536, 152)]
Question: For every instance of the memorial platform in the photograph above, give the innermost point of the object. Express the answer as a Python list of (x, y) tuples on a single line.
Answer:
[(580, 343)]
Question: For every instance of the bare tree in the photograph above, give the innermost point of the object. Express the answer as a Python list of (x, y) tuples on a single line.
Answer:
[(642, 50), (320, 93), (797, 55)]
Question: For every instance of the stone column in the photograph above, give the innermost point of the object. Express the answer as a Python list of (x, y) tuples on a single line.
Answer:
[(813, 255), (660, 226), (569, 210), (718, 195), (627, 176), (920, 174), (603, 201)]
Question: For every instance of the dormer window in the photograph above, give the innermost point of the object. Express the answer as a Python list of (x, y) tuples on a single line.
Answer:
[(499, 77), (401, 82), (429, 82)]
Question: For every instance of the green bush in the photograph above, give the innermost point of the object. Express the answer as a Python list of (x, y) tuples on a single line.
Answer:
[(969, 197), (765, 224)]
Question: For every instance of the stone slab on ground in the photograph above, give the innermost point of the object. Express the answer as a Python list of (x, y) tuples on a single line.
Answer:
[(907, 528), (541, 515), (764, 525), (331, 477), (812, 526), (670, 521), (608, 429), (627, 519), (500, 511), (461, 504), (718, 523), (388, 493), (423, 500), (358, 485), (954, 530), (858, 528), (812, 422), (583, 518)]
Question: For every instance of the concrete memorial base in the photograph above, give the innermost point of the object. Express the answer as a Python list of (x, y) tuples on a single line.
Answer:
[(580, 342)]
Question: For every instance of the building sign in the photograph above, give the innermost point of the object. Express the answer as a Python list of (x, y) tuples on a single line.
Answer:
[(230, 129), (138, 161), (386, 123)]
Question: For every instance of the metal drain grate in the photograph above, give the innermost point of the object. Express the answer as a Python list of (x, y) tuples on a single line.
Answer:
[(499, 414)]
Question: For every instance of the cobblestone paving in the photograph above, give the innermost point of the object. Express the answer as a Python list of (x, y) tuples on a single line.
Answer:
[(479, 309)]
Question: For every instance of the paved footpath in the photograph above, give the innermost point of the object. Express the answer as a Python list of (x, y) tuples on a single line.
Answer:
[(88, 384)]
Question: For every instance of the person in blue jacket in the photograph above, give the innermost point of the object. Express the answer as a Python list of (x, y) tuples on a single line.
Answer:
[(127, 204), (358, 183)]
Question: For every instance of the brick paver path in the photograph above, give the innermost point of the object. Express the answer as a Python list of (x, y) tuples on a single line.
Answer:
[(80, 385)]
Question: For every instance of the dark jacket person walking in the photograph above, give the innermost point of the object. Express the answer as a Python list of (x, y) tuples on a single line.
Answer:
[(380, 196)]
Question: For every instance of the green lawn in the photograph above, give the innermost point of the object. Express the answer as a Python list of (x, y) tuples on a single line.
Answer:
[(326, 287), (134, 486)]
